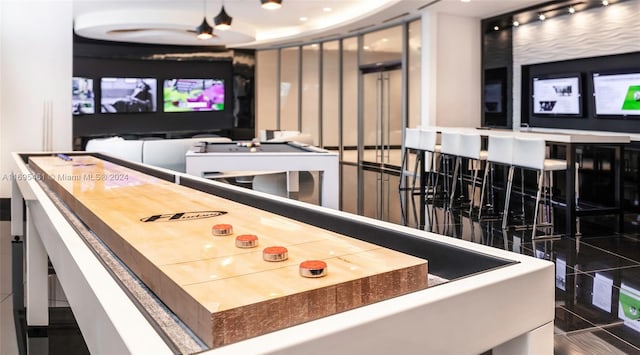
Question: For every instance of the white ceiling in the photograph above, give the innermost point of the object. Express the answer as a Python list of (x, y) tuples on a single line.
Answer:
[(174, 21)]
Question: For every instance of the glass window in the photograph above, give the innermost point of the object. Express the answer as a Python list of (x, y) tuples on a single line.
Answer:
[(289, 60), (330, 92), (311, 91), (350, 98), (414, 73), (382, 46), (266, 89)]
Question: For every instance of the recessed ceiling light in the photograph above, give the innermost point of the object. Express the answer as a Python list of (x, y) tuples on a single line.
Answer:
[(572, 10), (605, 3), (327, 9), (516, 23), (496, 28), (465, 0), (542, 17), (303, 18)]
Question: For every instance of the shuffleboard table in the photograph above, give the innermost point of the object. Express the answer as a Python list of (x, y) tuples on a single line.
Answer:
[(101, 220), (291, 157)]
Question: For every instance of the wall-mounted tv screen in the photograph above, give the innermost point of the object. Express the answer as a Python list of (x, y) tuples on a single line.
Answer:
[(557, 96), (82, 96), (617, 94), (493, 97), (186, 95), (120, 95)]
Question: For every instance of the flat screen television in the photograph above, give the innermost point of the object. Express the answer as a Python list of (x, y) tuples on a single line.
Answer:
[(122, 95), (187, 95), (557, 96), (493, 97), (82, 97), (617, 94)]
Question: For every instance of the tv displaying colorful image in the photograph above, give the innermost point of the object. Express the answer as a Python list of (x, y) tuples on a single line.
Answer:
[(617, 94), (82, 97), (187, 95), (557, 96), (121, 95)]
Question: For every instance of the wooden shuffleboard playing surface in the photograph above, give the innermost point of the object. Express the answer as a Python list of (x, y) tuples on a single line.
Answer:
[(162, 232)]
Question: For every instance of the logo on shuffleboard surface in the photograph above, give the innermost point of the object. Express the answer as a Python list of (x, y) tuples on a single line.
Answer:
[(182, 216)]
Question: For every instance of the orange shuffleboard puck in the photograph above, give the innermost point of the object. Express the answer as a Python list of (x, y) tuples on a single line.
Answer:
[(222, 229), (313, 268), (246, 241), (275, 254)]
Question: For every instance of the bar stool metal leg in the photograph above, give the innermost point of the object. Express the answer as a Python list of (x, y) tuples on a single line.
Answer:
[(454, 182), (473, 191), (540, 176), (482, 189), (505, 215)]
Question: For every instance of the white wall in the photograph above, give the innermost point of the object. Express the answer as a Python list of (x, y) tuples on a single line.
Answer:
[(614, 29), (457, 70), (36, 58)]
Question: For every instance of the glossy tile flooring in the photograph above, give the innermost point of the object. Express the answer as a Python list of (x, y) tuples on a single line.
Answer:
[(591, 270)]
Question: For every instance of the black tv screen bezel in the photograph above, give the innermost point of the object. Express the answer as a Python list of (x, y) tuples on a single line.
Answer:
[(502, 107), (154, 101), (162, 98), (581, 101), (93, 92), (593, 93)]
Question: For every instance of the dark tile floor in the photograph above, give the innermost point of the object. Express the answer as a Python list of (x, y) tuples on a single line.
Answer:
[(591, 270)]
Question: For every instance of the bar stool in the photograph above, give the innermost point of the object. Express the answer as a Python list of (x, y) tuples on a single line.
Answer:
[(411, 142), (469, 147), (421, 140), (429, 144), (449, 145), (499, 151), (530, 153)]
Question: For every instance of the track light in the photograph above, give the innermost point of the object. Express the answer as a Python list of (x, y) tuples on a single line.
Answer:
[(222, 21), (271, 4), (204, 31)]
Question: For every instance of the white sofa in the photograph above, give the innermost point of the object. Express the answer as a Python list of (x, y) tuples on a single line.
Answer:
[(164, 153), (117, 147)]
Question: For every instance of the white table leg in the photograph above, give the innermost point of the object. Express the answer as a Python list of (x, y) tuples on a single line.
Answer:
[(37, 289), (293, 181), (330, 196), (537, 341), (17, 215)]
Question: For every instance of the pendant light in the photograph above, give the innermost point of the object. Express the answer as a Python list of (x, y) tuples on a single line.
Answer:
[(222, 21), (204, 31), (271, 4)]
